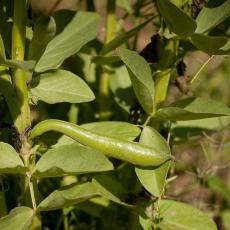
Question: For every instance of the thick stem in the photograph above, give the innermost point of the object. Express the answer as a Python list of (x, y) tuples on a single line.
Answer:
[(104, 103), (19, 77)]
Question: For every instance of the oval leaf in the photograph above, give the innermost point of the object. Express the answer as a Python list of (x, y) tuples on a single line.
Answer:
[(19, 218), (61, 86), (181, 216), (68, 195), (71, 159), (192, 109), (81, 29), (141, 77), (176, 20), (154, 178), (10, 162), (212, 15), (208, 44)]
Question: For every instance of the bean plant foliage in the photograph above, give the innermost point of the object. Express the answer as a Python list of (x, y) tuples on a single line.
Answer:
[(82, 118)]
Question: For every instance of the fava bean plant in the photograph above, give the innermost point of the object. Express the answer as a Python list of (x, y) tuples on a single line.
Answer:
[(85, 121)]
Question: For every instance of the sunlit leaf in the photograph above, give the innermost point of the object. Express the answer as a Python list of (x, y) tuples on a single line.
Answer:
[(141, 77), (61, 86), (71, 160)]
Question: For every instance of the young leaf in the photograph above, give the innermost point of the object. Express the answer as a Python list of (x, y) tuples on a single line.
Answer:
[(82, 29), (122, 38), (141, 77), (10, 162), (176, 20), (181, 216), (154, 178), (61, 86), (208, 44), (109, 188), (212, 15), (192, 109), (68, 195), (71, 159), (19, 218)]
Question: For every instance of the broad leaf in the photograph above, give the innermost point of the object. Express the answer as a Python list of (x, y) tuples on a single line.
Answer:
[(10, 162), (81, 29), (212, 15), (208, 44), (71, 160), (154, 178), (68, 195), (19, 218), (109, 188), (225, 50), (181, 216), (122, 38), (106, 60), (141, 77), (192, 109), (61, 86), (176, 20)]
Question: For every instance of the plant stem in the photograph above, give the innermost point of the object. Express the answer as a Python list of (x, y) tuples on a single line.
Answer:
[(19, 77), (201, 68), (31, 188), (104, 103)]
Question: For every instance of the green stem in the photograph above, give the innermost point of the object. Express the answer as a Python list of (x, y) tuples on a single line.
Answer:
[(104, 103), (31, 188), (19, 77)]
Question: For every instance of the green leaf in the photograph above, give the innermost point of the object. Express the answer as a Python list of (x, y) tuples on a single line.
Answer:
[(109, 188), (225, 50), (181, 216), (176, 20), (208, 44), (106, 60), (10, 162), (68, 195), (81, 29), (154, 178), (212, 15), (122, 38), (19, 218), (61, 86), (126, 4), (121, 87), (192, 109), (141, 77), (71, 160)]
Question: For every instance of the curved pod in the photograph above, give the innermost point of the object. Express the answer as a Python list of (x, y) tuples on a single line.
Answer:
[(131, 152)]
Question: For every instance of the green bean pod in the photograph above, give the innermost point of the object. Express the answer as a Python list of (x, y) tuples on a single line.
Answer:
[(124, 150)]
